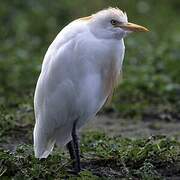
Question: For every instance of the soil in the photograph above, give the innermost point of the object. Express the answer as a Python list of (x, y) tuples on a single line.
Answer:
[(111, 125), (114, 126)]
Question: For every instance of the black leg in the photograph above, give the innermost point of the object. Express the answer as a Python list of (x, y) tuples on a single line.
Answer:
[(70, 148), (76, 148)]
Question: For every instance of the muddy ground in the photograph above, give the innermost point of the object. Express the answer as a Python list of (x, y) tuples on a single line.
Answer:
[(115, 126), (112, 125)]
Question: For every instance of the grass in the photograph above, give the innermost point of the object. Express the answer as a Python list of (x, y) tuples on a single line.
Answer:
[(103, 158), (149, 91)]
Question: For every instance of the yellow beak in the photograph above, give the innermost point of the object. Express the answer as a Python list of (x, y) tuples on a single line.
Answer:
[(133, 27)]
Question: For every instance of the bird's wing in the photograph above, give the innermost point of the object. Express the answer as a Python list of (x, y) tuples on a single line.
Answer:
[(56, 91), (55, 57), (67, 34)]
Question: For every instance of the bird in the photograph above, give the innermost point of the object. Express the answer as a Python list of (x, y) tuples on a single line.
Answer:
[(79, 73)]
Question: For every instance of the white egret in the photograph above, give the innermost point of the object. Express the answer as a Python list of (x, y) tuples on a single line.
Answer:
[(79, 71)]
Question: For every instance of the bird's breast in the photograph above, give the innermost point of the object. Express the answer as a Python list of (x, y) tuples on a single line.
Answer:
[(111, 67), (99, 71)]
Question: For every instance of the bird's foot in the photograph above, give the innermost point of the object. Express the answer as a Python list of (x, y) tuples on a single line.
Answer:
[(76, 167), (72, 171), (75, 171)]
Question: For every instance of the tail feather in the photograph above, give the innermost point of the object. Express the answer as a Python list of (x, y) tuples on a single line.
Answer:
[(45, 138), (43, 145)]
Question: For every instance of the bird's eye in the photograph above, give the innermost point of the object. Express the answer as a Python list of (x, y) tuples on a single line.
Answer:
[(113, 22)]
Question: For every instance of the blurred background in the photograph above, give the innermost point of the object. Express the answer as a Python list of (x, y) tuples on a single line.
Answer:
[(149, 92)]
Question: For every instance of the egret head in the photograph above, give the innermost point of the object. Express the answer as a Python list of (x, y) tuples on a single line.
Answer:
[(113, 23)]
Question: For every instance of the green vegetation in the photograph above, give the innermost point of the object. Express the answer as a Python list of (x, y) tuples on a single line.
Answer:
[(104, 158), (150, 90)]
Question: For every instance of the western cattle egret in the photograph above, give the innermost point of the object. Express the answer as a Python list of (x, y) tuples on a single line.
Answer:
[(79, 71)]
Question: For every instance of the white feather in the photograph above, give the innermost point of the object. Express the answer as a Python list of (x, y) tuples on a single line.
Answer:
[(71, 83)]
